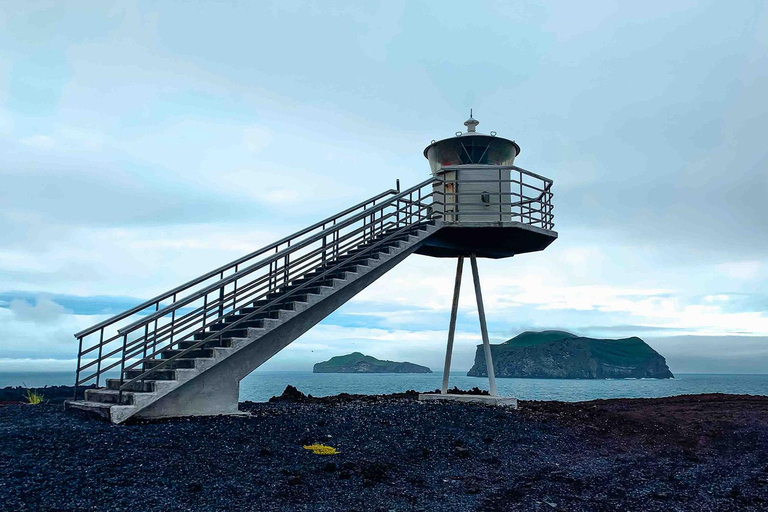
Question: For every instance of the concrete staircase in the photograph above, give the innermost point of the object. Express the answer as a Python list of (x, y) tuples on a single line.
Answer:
[(205, 381)]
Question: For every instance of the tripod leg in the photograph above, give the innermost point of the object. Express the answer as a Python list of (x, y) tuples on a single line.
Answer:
[(483, 326), (452, 325)]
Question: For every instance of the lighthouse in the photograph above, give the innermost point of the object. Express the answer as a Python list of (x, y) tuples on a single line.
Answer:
[(489, 208)]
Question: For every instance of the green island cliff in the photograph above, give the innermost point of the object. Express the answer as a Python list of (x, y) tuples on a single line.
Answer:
[(562, 355), (360, 363)]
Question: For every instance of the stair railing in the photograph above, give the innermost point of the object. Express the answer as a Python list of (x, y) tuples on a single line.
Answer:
[(194, 307)]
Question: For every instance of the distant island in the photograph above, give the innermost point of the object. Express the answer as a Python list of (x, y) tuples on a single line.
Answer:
[(360, 363), (562, 355)]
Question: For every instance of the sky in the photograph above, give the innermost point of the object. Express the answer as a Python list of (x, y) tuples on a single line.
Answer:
[(145, 143)]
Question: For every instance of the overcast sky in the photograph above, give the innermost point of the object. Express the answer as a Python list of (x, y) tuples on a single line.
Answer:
[(144, 143)]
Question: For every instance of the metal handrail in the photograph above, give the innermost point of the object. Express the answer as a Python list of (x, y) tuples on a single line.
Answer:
[(144, 375), (275, 257), (224, 268), (320, 248), (290, 260)]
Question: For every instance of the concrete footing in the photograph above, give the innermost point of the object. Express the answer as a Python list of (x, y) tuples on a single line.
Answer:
[(500, 401)]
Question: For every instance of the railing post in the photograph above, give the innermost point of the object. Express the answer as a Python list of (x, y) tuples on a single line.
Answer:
[(98, 361), (154, 332), (234, 292), (325, 245), (335, 242), (122, 369), (501, 199), (77, 372), (221, 296), (173, 321), (205, 308), (286, 275)]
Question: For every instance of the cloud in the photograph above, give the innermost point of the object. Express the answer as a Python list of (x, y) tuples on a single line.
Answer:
[(256, 138), (39, 141), (45, 311), (742, 269), (147, 157)]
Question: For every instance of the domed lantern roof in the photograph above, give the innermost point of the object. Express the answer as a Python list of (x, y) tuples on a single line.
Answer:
[(471, 148)]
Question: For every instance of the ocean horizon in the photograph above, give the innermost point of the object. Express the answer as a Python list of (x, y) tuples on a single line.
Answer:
[(260, 386)]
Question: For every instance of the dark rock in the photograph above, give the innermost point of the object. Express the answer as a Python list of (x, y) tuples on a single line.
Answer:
[(265, 452), (329, 467), (345, 475), (294, 480), (291, 394), (462, 452), (417, 481), (375, 471), (51, 394), (194, 487)]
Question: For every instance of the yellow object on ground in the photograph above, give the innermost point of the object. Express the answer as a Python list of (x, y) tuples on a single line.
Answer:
[(321, 449)]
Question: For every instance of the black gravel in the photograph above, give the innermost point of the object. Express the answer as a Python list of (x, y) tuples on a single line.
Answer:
[(683, 453)]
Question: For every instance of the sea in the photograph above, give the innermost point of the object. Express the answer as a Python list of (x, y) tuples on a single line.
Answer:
[(259, 386)]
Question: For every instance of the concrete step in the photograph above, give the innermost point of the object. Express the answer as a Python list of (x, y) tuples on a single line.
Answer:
[(241, 331), (185, 362), (216, 342), (198, 352), (312, 289), (158, 375), (293, 299), (100, 409), (112, 396), (147, 386)]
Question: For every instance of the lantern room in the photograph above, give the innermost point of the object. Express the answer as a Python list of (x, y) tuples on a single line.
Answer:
[(474, 175)]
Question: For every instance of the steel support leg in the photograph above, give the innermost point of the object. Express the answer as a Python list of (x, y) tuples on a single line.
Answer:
[(483, 326), (452, 325)]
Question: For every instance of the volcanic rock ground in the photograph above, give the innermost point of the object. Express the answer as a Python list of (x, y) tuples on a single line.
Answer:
[(698, 453)]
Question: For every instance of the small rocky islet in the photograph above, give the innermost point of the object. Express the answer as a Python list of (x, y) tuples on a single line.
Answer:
[(356, 362), (562, 355)]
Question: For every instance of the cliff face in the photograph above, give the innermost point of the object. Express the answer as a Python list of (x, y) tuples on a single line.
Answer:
[(359, 363), (562, 355)]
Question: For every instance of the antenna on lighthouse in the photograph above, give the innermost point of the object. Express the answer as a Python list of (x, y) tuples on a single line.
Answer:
[(471, 123)]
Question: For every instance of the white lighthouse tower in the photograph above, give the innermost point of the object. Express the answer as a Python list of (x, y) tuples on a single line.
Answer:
[(490, 208)]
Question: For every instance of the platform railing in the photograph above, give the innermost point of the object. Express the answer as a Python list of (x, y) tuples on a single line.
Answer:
[(140, 334), (524, 196)]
